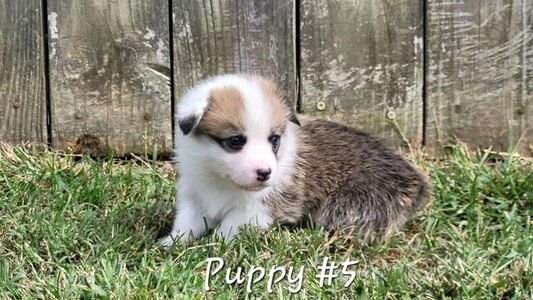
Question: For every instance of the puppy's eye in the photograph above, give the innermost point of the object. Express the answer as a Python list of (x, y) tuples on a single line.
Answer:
[(274, 140), (236, 142)]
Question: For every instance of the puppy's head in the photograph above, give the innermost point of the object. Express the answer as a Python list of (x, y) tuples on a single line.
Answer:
[(240, 122)]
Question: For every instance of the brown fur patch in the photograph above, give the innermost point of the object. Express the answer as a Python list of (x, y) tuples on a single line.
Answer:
[(346, 178), (223, 116)]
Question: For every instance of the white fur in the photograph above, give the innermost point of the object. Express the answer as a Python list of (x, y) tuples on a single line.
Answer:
[(220, 188)]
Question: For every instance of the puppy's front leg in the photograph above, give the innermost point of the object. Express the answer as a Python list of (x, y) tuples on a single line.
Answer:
[(188, 224), (238, 217)]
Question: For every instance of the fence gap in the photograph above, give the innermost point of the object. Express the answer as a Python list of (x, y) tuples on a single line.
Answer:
[(425, 65), (297, 56), (46, 66), (171, 79)]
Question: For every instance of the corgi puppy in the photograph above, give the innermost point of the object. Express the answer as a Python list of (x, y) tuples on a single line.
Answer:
[(244, 157)]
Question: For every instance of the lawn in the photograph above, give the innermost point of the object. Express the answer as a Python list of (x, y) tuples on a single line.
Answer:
[(77, 228)]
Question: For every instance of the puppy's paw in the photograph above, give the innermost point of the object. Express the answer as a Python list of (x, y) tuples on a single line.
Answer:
[(227, 233), (168, 241), (177, 237)]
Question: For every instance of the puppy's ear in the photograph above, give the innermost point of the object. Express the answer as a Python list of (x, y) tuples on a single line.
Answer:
[(187, 124), (293, 118), (192, 108)]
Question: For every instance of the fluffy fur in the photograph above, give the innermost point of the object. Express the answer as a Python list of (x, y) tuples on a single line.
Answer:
[(245, 158)]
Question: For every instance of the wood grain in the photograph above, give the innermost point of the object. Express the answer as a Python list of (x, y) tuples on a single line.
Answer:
[(480, 73), (22, 85), (362, 64), (109, 68), (222, 36)]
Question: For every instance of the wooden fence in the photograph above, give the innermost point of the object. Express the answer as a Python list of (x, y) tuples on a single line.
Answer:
[(100, 74)]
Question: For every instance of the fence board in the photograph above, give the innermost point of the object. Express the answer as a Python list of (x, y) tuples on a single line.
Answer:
[(222, 36), (480, 74), (106, 60), (361, 61), (22, 85)]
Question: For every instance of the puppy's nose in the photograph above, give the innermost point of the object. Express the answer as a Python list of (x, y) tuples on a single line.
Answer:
[(263, 174)]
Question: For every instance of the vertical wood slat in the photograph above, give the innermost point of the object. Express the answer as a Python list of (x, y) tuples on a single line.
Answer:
[(362, 64), (480, 73), (110, 68), (245, 36), (22, 84)]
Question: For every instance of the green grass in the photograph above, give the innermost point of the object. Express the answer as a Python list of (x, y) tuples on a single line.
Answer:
[(76, 228)]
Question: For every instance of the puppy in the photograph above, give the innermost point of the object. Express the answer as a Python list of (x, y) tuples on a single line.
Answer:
[(245, 158)]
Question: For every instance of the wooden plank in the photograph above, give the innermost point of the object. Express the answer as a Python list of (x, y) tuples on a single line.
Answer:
[(107, 90), (222, 36), (480, 73), (361, 61), (22, 84)]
